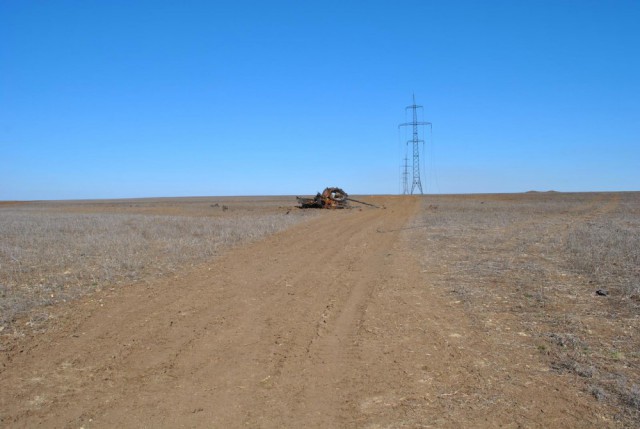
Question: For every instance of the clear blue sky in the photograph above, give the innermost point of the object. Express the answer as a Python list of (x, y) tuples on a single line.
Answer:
[(103, 99)]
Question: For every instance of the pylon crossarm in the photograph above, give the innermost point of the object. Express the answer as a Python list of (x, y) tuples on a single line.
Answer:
[(406, 124)]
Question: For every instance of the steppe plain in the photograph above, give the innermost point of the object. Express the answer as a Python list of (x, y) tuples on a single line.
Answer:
[(432, 311)]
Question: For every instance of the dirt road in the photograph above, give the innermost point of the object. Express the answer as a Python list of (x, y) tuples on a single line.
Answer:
[(332, 323)]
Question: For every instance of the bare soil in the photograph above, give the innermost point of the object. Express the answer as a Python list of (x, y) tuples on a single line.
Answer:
[(354, 318)]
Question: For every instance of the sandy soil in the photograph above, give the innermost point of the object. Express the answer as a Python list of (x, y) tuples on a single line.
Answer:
[(332, 323)]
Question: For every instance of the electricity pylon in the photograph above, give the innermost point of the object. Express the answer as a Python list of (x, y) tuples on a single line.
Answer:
[(416, 140)]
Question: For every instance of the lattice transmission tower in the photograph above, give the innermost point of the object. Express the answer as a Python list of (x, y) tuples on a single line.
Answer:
[(416, 140), (405, 176)]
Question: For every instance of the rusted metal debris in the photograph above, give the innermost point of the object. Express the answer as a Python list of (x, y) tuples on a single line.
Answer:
[(330, 198)]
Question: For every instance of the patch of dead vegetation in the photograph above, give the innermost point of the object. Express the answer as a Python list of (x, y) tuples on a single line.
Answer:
[(50, 255), (532, 264)]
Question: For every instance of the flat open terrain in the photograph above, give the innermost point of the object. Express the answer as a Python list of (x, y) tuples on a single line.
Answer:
[(436, 311)]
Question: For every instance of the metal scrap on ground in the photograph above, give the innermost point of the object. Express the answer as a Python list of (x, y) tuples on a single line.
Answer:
[(330, 198)]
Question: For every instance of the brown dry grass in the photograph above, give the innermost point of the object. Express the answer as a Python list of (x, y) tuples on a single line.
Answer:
[(532, 263), (55, 252)]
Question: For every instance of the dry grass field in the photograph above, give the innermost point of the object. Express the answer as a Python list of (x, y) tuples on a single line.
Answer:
[(437, 311), (54, 252), (532, 264)]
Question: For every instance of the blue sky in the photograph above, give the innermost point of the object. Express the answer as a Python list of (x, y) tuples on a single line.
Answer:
[(107, 99)]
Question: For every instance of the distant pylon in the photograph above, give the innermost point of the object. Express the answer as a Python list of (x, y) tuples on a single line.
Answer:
[(405, 176), (416, 183)]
